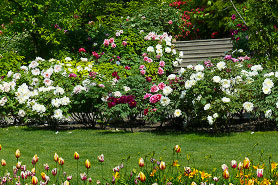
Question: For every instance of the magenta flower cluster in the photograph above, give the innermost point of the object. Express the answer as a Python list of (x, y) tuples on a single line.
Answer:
[(129, 99)]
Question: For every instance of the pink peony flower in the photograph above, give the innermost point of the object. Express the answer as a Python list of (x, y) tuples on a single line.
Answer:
[(228, 57), (158, 56), (127, 68), (82, 50), (161, 63), (147, 95), (143, 72), (233, 17), (113, 45), (144, 54), (155, 98), (142, 67), (154, 88), (160, 71), (235, 60), (146, 59), (72, 75), (247, 58), (111, 40), (106, 42), (150, 60), (161, 86), (170, 22), (124, 43)]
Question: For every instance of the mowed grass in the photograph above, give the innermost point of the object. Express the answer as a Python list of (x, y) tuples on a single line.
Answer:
[(206, 151)]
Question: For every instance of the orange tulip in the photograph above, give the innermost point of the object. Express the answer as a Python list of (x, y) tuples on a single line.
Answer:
[(226, 174), (76, 155), (61, 161), (3, 162), (177, 149), (43, 176), (17, 153), (87, 164), (246, 163), (56, 157), (142, 177), (162, 165), (141, 162), (34, 180)]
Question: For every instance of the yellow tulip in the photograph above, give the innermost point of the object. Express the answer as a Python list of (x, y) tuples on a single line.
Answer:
[(141, 162), (17, 153), (226, 174), (87, 164), (61, 161), (162, 165), (66, 183), (76, 155), (34, 180), (3, 162), (246, 163), (142, 177), (56, 157)]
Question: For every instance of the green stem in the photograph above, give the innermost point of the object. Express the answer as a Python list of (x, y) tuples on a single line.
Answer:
[(77, 174)]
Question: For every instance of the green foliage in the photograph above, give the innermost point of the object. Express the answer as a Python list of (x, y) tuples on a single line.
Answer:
[(263, 32), (10, 61)]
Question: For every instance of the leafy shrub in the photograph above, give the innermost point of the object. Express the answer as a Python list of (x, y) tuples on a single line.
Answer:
[(10, 61)]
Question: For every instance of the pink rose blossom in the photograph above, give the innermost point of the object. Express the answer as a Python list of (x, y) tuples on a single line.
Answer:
[(143, 72), (142, 67), (154, 88), (161, 63), (160, 71), (161, 86)]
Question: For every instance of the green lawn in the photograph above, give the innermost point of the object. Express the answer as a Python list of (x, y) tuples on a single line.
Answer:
[(207, 152)]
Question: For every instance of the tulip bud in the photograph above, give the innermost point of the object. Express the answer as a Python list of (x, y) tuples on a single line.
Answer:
[(35, 159), (3, 162), (33, 171), (0, 147), (226, 174), (76, 155), (56, 157), (46, 167), (34, 180), (141, 162), (66, 183), (215, 179), (17, 153), (69, 178), (116, 169), (239, 166), (87, 164), (162, 165), (54, 171), (246, 163), (260, 173), (23, 168), (61, 161), (224, 167), (233, 164), (18, 165), (101, 158), (142, 177), (177, 149), (83, 176)]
